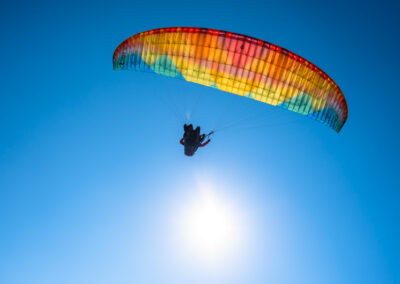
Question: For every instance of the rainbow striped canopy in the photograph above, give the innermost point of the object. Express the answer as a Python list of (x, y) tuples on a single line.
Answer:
[(237, 64)]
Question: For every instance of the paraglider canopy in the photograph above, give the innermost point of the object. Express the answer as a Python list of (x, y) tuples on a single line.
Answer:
[(237, 64)]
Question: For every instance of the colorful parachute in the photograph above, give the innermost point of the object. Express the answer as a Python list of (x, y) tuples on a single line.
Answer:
[(236, 64)]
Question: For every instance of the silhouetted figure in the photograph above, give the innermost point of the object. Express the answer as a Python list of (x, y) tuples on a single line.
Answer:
[(192, 139)]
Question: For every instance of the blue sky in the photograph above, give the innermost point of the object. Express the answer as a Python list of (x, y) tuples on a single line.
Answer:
[(91, 172)]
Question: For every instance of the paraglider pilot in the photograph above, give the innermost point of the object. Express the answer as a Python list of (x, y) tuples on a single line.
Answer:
[(192, 139)]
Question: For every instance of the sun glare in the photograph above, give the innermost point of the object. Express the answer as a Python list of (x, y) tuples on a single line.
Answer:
[(209, 226)]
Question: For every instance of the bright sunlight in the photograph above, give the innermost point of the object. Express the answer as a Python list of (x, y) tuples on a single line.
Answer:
[(210, 227)]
